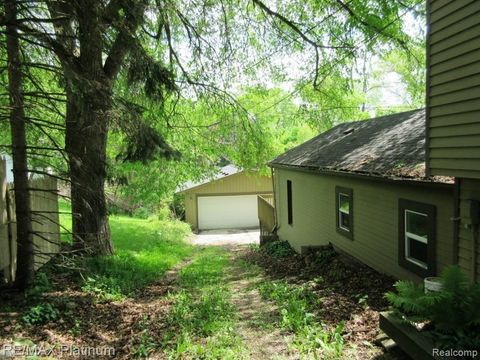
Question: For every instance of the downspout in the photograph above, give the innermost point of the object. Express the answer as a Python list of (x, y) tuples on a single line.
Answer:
[(474, 251), (475, 221), (456, 220)]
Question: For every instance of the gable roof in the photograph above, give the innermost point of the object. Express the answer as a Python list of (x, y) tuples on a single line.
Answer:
[(391, 146), (222, 173)]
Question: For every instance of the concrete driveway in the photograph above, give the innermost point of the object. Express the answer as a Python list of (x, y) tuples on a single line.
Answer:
[(227, 237)]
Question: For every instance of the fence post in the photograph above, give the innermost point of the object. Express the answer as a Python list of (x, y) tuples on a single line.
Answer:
[(7, 250)]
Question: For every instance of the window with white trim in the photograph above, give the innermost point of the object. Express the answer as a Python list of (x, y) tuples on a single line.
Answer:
[(344, 209), (417, 237)]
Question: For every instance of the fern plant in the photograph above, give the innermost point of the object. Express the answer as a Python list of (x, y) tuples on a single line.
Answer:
[(453, 312)]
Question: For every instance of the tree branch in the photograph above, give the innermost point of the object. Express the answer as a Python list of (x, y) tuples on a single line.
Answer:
[(294, 27)]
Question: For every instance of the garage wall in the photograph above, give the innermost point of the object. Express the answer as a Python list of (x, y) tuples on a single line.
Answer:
[(375, 217), (243, 183)]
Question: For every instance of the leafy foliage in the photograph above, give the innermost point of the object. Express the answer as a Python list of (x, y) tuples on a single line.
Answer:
[(279, 248), (40, 314), (454, 311)]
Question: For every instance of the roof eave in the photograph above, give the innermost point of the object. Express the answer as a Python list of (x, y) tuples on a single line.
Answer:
[(208, 182), (360, 174)]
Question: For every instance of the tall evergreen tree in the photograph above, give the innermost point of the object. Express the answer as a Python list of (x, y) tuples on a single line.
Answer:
[(25, 253)]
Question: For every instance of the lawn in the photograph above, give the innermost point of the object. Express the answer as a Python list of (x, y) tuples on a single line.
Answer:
[(99, 302), (144, 250)]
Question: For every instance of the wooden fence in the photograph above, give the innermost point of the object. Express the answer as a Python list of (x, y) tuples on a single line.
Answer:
[(266, 217), (45, 220)]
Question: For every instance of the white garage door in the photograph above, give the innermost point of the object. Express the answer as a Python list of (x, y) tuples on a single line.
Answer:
[(227, 212)]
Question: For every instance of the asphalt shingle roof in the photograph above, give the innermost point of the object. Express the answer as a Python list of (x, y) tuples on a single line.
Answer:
[(388, 146)]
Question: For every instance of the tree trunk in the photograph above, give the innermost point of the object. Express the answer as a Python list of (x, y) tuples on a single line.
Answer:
[(89, 82), (86, 141), (25, 253)]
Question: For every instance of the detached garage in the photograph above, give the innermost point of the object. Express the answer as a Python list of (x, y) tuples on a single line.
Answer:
[(228, 201)]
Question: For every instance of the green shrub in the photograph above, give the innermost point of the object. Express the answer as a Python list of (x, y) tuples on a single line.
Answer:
[(141, 213), (453, 312), (40, 314), (279, 249)]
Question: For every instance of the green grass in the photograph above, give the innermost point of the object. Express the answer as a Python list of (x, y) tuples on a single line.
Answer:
[(144, 250), (65, 218), (297, 306), (202, 319)]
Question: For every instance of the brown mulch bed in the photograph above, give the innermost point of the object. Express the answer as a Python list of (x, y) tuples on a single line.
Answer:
[(349, 291)]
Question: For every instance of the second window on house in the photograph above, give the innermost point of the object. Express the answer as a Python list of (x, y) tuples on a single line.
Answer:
[(417, 237), (344, 207)]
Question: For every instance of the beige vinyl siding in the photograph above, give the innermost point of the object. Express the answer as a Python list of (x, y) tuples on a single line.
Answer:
[(454, 88), (469, 190), (375, 217), (242, 183)]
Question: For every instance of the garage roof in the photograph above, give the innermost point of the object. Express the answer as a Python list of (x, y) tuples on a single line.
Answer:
[(222, 172)]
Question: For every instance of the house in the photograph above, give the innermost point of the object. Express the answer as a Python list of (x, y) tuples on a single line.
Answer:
[(453, 116), (407, 196), (362, 187), (226, 201)]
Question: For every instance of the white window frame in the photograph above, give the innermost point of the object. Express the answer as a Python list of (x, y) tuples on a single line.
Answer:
[(340, 211), (414, 237)]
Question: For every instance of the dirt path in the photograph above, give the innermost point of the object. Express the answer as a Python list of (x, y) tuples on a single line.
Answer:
[(147, 310), (255, 315)]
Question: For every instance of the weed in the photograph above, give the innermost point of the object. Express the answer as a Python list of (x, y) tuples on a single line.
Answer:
[(76, 329), (362, 300), (254, 247), (103, 287), (40, 314), (297, 314), (279, 249), (202, 310), (146, 343)]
